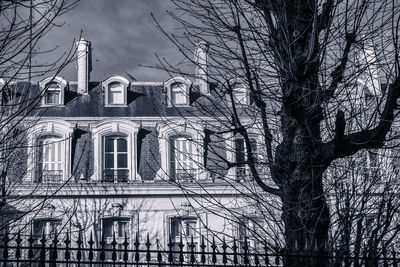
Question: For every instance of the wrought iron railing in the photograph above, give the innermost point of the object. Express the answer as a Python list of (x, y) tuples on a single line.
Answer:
[(112, 176), (50, 176), (57, 251)]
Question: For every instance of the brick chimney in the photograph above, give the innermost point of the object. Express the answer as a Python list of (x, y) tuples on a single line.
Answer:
[(200, 59), (84, 65)]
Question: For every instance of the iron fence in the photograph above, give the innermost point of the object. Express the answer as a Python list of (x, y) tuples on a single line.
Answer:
[(15, 251)]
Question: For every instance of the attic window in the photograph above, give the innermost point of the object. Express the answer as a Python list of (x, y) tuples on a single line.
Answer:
[(178, 91), (53, 89), (115, 91)]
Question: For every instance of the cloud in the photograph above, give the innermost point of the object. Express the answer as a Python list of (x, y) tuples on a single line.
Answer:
[(123, 36)]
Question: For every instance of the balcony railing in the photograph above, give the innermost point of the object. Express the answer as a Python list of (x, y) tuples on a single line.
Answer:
[(185, 175), (114, 176), (49, 176)]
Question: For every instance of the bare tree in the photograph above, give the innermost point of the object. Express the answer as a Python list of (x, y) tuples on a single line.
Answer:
[(322, 81), (23, 25)]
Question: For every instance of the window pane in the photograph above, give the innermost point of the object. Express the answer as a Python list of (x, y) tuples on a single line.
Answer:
[(116, 98), (122, 228), (109, 161), (107, 228), (122, 145), (38, 228), (240, 152), (179, 98), (122, 161), (109, 145), (190, 228), (175, 227)]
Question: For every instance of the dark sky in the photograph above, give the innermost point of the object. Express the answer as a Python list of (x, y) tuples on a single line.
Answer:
[(123, 35)]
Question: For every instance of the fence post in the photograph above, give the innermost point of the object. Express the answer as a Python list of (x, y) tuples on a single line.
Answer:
[(79, 252), (18, 249), (5, 247), (91, 243), (159, 255), (214, 255), (114, 249), (102, 249), (224, 247), (53, 253), (67, 241), (30, 250), (137, 244), (181, 245), (192, 247), (203, 251), (126, 244), (148, 244), (235, 256)]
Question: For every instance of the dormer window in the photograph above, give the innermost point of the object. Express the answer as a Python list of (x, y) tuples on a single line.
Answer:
[(53, 89), (178, 91), (115, 91)]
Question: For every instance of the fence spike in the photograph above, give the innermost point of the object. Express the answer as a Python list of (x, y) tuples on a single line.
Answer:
[(126, 244), (137, 244), (246, 251), (266, 255), (67, 241), (235, 254), (159, 255), (114, 248), (213, 247), (30, 241), (91, 243), (192, 246), (43, 248), (5, 249), (394, 262), (181, 245), (18, 249), (203, 250), (79, 243), (102, 248), (54, 253), (170, 245), (224, 247), (148, 244)]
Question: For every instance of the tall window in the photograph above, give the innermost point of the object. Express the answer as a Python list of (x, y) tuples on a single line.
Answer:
[(119, 227), (182, 164), (48, 227), (241, 157), (115, 159), (179, 95), (50, 159), (185, 227), (116, 92), (53, 94)]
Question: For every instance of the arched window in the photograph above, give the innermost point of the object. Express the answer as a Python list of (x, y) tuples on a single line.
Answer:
[(50, 168), (115, 150), (178, 91), (181, 151), (53, 89), (49, 148), (115, 91), (115, 159)]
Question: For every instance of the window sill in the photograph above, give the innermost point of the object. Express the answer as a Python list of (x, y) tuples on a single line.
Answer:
[(115, 105)]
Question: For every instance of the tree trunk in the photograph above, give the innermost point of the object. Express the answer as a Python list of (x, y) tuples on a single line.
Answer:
[(305, 211)]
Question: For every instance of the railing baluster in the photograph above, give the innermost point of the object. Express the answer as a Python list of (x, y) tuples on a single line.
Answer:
[(30, 250)]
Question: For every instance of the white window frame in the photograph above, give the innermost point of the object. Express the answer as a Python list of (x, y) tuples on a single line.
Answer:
[(47, 228), (50, 142), (175, 129), (168, 87), (115, 154), (114, 126), (119, 240), (185, 239), (239, 87), (44, 87), (230, 142), (106, 87), (56, 127)]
